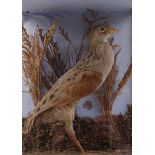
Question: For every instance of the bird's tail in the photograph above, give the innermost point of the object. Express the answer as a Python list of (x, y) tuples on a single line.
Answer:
[(28, 123)]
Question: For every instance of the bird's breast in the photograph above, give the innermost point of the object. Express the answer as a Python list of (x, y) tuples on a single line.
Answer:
[(105, 64)]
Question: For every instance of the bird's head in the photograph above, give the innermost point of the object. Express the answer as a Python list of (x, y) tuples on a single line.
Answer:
[(101, 34)]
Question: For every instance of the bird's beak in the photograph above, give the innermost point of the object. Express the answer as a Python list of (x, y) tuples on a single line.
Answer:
[(112, 30)]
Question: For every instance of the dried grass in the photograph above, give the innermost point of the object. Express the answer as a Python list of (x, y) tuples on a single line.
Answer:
[(42, 46), (48, 36), (43, 49), (123, 81), (33, 54), (32, 58), (59, 61)]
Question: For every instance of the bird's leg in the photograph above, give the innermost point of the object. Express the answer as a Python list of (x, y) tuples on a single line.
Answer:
[(71, 134)]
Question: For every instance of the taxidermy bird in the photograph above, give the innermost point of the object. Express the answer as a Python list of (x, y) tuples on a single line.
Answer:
[(80, 81)]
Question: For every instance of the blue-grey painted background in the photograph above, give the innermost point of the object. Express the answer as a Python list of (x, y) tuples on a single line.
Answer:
[(119, 16)]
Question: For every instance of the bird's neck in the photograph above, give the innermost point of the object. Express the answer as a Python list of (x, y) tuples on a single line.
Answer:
[(99, 42), (97, 48)]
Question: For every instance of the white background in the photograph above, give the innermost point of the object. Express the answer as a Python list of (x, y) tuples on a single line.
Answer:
[(143, 78)]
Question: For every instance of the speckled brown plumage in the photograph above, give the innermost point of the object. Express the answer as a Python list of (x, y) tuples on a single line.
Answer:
[(80, 81)]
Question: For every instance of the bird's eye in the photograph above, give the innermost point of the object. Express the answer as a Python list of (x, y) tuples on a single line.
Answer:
[(102, 28)]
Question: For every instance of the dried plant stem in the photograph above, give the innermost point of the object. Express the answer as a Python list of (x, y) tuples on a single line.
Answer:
[(123, 81), (48, 36), (32, 58), (33, 54), (77, 53), (82, 40), (38, 52), (110, 94)]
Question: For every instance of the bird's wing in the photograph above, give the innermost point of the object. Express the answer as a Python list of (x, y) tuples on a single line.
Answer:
[(72, 86)]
